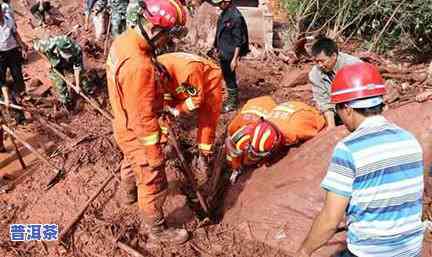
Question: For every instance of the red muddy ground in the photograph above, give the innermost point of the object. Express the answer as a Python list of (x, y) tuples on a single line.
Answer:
[(267, 213)]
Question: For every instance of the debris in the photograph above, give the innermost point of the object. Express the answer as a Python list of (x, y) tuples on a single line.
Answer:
[(84, 208), (187, 170)]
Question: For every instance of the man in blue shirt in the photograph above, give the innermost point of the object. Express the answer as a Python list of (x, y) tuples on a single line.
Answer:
[(375, 177)]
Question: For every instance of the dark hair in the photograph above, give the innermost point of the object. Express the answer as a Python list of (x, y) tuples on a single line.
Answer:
[(326, 45), (367, 112), (376, 110)]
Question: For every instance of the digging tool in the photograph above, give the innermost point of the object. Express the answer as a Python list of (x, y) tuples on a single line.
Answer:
[(126, 248), (187, 171), (86, 205), (217, 170), (20, 158), (42, 121), (108, 33), (90, 100), (13, 106), (59, 173)]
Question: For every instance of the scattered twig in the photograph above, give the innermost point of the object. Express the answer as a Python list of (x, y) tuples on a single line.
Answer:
[(385, 27), (84, 208), (200, 250)]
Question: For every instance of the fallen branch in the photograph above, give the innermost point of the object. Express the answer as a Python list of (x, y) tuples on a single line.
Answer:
[(186, 170), (385, 27), (86, 205), (20, 158), (126, 248), (90, 100)]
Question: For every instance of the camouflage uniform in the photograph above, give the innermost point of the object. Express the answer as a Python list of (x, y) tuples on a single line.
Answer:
[(51, 48), (118, 16), (132, 13), (97, 10)]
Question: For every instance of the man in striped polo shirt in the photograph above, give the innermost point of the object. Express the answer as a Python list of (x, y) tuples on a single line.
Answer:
[(375, 175)]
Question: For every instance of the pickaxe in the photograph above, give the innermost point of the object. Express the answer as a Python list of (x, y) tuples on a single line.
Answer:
[(187, 171)]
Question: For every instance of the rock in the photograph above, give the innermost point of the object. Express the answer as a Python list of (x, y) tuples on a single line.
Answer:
[(288, 194)]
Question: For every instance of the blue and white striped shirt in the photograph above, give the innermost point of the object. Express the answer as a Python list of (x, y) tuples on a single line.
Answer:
[(379, 167)]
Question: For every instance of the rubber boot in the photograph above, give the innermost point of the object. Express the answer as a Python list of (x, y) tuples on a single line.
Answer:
[(128, 187), (232, 102), (160, 232), (128, 192)]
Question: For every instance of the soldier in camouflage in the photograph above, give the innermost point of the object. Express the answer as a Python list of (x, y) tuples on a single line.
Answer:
[(64, 55), (132, 12), (96, 10), (118, 16)]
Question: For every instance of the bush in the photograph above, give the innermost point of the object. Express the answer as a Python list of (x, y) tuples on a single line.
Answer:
[(409, 21)]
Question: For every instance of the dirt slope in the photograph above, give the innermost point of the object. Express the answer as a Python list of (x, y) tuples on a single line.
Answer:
[(277, 204)]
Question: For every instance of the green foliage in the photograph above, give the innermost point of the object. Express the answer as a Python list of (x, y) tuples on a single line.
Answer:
[(409, 26)]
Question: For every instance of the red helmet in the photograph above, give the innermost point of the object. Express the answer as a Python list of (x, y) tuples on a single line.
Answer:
[(164, 13), (356, 81), (241, 139), (265, 138)]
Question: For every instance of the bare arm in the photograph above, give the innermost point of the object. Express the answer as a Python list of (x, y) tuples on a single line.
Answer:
[(325, 224)]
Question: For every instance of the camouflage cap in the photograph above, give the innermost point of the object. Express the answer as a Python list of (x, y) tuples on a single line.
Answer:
[(64, 43), (132, 13)]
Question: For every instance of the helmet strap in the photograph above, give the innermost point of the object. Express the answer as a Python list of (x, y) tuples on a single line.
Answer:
[(146, 36)]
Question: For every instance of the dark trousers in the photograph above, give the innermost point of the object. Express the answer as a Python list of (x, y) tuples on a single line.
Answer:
[(229, 77), (12, 60), (40, 15)]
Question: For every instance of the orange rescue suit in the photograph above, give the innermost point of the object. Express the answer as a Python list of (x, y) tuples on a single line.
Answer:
[(137, 101), (296, 121), (249, 115), (194, 83)]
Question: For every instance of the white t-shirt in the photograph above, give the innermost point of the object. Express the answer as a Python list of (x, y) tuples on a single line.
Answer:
[(7, 10), (7, 37)]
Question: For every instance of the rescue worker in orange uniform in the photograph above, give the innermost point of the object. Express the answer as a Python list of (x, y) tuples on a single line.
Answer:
[(262, 127), (136, 98), (194, 84)]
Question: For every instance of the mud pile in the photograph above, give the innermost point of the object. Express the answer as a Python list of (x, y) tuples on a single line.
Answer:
[(277, 204)]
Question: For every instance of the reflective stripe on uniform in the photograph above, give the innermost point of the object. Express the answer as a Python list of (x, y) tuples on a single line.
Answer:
[(190, 104), (164, 130), (168, 97), (151, 139), (229, 158), (205, 147), (255, 112), (284, 108)]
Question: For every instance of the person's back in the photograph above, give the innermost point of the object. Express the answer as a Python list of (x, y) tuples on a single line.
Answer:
[(122, 63), (387, 172), (296, 121)]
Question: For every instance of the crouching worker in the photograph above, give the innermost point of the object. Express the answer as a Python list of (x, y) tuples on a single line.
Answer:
[(262, 128), (194, 84), (64, 55)]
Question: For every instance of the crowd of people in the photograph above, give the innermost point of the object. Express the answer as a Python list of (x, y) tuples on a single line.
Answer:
[(375, 176)]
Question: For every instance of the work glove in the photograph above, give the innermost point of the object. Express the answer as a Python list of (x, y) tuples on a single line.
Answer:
[(173, 111), (234, 176)]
